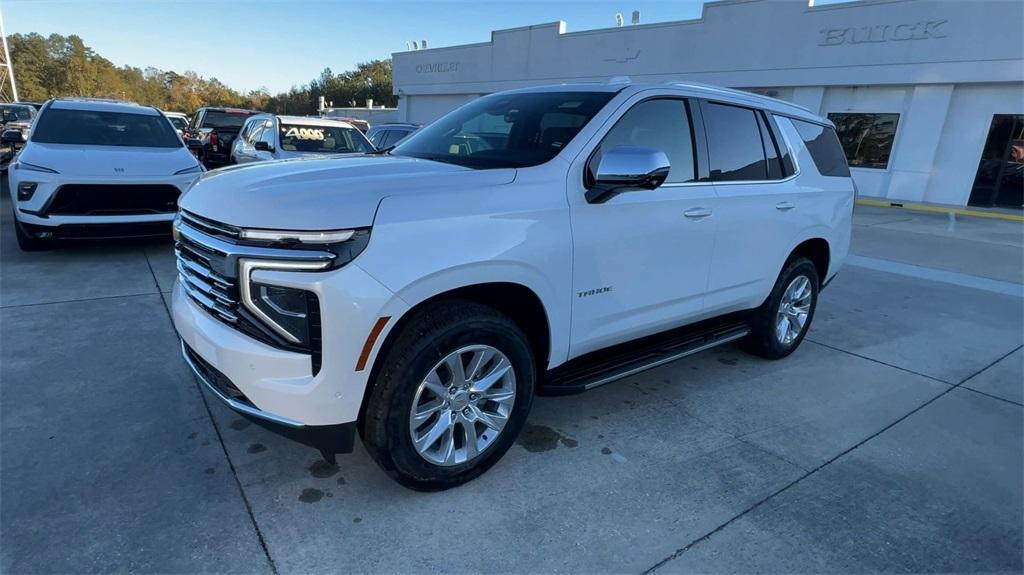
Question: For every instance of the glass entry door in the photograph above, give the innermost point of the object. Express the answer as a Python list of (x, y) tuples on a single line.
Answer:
[(1000, 179)]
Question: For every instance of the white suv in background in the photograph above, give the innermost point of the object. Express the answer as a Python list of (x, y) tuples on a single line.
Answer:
[(271, 137), (98, 169), (538, 241)]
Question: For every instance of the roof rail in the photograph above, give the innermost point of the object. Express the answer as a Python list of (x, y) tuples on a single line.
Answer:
[(735, 92), (617, 80)]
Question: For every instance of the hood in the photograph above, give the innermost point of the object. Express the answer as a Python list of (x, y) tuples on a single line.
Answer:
[(78, 160), (322, 193)]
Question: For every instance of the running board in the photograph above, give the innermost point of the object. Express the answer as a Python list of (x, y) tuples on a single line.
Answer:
[(605, 366)]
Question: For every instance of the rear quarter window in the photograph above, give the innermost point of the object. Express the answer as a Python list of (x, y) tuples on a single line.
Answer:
[(823, 144)]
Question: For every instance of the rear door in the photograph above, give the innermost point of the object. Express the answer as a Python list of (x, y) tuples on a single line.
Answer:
[(641, 259), (758, 209)]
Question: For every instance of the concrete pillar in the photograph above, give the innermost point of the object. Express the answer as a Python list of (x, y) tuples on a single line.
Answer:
[(917, 140), (809, 97)]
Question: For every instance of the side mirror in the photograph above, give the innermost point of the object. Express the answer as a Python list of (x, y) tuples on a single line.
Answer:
[(628, 168), (12, 137), (194, 143), (262, 146)]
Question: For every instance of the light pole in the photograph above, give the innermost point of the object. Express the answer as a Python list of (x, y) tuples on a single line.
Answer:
[(6, 69)]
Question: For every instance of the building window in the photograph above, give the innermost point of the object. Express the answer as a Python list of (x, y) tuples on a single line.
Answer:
[(866, 138)]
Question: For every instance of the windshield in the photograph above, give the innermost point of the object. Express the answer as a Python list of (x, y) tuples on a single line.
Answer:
[(94, 128), (17, 113), (323, 139), (506, 130), (178, 122), (232, 119)]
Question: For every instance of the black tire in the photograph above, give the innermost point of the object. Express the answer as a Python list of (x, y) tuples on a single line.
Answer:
[(426, 339), (763, 340), (29, 243)]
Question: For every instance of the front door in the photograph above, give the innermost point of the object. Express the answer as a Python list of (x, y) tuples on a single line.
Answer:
[(1000, 178), (641, 259)]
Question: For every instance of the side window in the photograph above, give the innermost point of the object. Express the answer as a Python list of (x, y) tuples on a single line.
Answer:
[(254, 133), (244, 134), (662, 124), (823, 144), (268, 134), (866, 138), (386, 138), (197, 120), (735, 150)]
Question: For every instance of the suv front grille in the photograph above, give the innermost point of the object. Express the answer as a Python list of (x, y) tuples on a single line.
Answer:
[(114, 199), (213, 290), (209, 275)]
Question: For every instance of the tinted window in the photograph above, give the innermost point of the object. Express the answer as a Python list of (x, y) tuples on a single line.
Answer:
[(824, 147), (376, 136), (17, 113), (387, 138), (505, 130), (225, 119), (178, 122), (866, 138), (660, 124), (324, 139), (92, 128), (398, 135), (735, 149)]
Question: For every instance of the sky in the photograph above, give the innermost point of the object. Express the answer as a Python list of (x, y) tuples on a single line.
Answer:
[(276, 44)]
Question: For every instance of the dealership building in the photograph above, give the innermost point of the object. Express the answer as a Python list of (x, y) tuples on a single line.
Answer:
[(927, 95)]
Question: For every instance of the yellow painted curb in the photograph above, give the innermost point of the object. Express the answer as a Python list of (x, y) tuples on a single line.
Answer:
[(939, 209)]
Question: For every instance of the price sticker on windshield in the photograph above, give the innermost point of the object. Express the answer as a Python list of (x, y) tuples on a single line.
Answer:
[(305, 133)]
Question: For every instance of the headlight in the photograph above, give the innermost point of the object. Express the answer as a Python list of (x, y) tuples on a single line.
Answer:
[(33, 168), (285, 310), (301, 237)]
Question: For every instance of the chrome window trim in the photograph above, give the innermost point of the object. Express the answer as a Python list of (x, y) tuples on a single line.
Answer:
[(792, 151)]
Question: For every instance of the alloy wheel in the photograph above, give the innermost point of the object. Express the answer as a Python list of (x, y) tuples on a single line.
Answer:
[(794, 310), (462, 405)]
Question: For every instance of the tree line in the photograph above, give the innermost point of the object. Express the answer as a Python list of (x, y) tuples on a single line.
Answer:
[(62, 66)]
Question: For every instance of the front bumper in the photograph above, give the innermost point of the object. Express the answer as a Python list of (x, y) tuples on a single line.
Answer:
[(329, 439), (281, 382)]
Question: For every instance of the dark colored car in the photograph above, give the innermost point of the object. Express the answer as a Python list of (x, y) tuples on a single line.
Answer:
[(212, 131), (387, 135)]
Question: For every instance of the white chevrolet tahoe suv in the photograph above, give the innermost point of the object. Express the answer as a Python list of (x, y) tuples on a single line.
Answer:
[(538, 241)]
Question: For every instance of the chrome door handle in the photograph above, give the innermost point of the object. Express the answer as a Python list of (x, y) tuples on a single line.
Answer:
[(697, 213), (785, 206)]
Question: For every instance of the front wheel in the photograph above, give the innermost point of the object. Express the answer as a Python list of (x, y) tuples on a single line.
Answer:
[(451, 396), (780, 324)]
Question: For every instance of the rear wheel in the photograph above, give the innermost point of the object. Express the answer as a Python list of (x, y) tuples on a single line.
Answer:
[(780, 324), (451, 396)]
